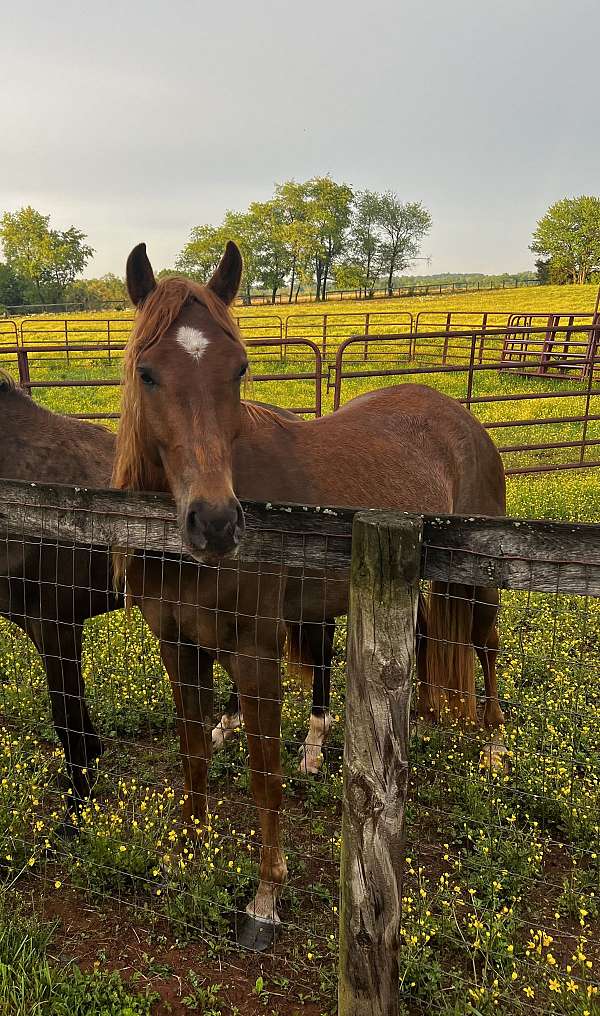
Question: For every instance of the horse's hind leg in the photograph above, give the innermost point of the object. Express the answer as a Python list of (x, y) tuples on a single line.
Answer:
[(485, 640), (319, 642), (230, 721), (60, 647)]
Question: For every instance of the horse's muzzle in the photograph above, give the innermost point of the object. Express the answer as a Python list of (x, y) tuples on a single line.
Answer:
[(213, 531)]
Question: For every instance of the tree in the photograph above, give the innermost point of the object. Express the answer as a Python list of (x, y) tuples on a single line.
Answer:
[(403, 227), (273, 260), (11, 287), (309, 232), (349, 275), (202, 252), (26, 241), (47, 258), (328, 216), (297, 233), (204, 249), (99, 293), (569, 236), (542, 271), (365, 243), (68, 257)]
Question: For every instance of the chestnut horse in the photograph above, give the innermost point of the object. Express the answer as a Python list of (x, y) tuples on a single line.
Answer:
[(50, 589), (185, 429)]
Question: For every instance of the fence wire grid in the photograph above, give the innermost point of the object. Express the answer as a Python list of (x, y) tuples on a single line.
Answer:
[(501, 895)]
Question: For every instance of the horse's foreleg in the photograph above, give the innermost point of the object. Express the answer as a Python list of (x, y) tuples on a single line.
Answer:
[(60, 647), (261, 706), (191, 674)]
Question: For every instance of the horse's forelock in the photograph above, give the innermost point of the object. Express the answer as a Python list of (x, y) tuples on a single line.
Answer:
[(164, 304), (133, 469)]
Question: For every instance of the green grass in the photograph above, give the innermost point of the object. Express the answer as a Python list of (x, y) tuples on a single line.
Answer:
[(33, 981)]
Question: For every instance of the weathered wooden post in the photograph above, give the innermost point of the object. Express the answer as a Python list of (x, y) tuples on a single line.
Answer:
[(386, 552)]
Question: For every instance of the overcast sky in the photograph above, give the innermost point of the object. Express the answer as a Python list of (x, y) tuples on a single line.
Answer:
[(137, 120)]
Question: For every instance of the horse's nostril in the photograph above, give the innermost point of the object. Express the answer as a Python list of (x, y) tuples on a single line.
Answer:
[(194, 521), (196, 529)]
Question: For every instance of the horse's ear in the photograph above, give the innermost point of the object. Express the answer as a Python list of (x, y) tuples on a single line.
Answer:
[(140, 277), (226, 279)]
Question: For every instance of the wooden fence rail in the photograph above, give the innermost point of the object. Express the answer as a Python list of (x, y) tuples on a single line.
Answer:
[(549, 557)]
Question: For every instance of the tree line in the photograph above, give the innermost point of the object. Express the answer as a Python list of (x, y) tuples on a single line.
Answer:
[(309, 235), (40, 263), (312, 234)]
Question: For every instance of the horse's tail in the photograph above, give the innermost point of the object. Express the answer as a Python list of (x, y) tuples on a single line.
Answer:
[(300, 662), (450, 661)]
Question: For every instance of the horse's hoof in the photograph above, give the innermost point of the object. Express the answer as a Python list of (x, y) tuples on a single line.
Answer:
[(256, 935), (310, 765)]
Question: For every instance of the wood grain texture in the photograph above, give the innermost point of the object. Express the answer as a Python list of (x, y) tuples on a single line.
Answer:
[(278, 534), (552, 557), (381, 644)]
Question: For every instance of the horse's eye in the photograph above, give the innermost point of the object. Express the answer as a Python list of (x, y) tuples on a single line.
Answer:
[(243, 370), (146, 377)]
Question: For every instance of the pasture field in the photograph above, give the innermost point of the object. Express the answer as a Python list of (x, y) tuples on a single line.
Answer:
[(562, 398), (537, 299), (502, 890)]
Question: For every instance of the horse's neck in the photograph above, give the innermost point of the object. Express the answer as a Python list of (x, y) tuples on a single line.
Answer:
[(265, 455)]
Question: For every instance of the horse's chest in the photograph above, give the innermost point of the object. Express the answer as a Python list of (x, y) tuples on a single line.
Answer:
[(217, 609)]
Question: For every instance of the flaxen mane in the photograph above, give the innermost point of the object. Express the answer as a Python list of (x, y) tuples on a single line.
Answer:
[(133, 469), (257, 414)]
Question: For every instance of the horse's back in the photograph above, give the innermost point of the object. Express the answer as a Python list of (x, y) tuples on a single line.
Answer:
[(414, 448), (36, 444)]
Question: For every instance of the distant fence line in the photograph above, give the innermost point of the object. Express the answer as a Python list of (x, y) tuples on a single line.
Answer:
[(327, 329), (267, 299), (563, 434)]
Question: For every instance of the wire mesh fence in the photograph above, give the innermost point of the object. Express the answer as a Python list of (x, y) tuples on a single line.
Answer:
[(503, 841), (499, 884)]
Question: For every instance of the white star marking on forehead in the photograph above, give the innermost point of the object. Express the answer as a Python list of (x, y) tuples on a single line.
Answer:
[(193, 341)]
